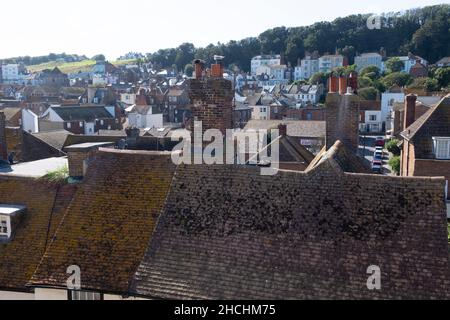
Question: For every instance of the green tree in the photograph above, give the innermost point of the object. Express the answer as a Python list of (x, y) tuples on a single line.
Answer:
[(395, 164), (99, 57), (371, 72), (442, 75), (364, 82), (400, 79), (319, 78), (392, 147), (189, 70), (395, 64), (369, 93), (428, 84)]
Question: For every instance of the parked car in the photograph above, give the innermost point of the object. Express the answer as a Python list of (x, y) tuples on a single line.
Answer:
[(378, 155), (377, 166), (380, 142)]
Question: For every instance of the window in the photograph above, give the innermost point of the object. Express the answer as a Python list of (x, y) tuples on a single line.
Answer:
[(442, 148), (69, 125), (373, 118), (84, 295), (102, 122), (81, 124), (3, 226)]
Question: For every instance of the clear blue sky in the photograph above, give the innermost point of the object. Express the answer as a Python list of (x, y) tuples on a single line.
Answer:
[(38, 27)]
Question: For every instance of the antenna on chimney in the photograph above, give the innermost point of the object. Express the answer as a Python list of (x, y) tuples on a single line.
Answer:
[(218, 59)]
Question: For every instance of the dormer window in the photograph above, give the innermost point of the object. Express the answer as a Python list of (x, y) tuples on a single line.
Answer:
[(9, 219), (442, 148), (4, 229)]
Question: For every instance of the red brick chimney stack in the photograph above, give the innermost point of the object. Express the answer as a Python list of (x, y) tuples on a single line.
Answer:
[(199, 65), (333, 84), (342, 85), (3, 145), (410, 110), (217, 68)]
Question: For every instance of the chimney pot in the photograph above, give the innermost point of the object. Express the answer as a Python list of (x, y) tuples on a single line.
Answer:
[(342, 85), (333, 84)]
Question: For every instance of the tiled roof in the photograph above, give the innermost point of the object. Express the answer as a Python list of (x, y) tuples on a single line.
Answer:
[(342, 158), (227, 232), (304, 129), (10, 112), (55, 139), (435, 121), (107, 228), (45, 205)]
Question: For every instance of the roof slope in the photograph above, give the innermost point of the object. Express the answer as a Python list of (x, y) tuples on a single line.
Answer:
[(46, 204), (297, 128), (435, 121), (340, 157), (229, 233), (77, 113), (10, 112), (108, 226), (54, 139)]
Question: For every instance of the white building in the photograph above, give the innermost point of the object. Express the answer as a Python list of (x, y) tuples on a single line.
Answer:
[(410, 60), (128, 98), (11, 74), (369, 59), (264, 60), (142, 117), (328, 62), (372, 121), (278, 72), (308, 67), (260, 112), (30, 121), (388, 99), (309, 94)]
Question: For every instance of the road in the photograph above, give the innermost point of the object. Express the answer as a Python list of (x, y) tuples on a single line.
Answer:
[(367, 148)]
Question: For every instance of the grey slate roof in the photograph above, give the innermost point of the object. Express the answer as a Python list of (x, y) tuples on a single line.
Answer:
[(77, 113)]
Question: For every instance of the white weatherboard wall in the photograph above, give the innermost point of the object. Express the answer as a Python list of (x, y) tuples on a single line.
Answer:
[(9, 295), (58, 294), (30, 121)]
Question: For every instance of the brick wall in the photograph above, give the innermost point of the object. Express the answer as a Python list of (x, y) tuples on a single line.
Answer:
[(212, 100), (342, 116), (14, 142), (432, 168)]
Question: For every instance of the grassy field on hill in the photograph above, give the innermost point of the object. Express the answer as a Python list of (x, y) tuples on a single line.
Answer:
[(72, 67)]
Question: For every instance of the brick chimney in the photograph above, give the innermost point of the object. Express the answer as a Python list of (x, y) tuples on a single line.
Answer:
[(79, 156), (212, 99), (282, 128), (410, 110), (333, 84), (3, 144), (342, 85), (342, 120), (199, 66)]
